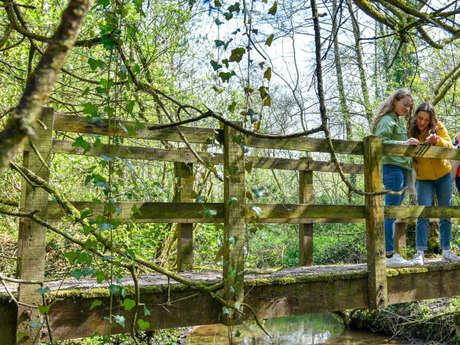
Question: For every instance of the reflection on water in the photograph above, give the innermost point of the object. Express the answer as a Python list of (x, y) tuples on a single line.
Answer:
[(295, 330)]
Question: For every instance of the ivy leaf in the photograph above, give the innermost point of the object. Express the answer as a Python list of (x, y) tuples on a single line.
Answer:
[(263, 92), (225, 76), (225, 311), (130, 107), (143, 325), (128, 304), (95, 304), (267, 101), (237, 54), (219, 43), (107, 42), (90, 109), (95, 64), (257, 210), (77, 274), (120, 319), (43, 309), (81, 142), (268, 73), (269, 40), (146, 311), (231, 107), (104, 3), (231, 200), (210, 213), (273, 9), (215, 65)]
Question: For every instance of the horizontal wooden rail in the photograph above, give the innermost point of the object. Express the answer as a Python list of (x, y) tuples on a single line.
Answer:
[(153, 212), (419, 151), (186, 156), (131, 129)]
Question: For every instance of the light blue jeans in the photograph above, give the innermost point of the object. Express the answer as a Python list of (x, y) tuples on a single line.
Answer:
[(425, 193), (394, 178)]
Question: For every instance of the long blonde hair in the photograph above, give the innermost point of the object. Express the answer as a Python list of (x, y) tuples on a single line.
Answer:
[(389, 105)]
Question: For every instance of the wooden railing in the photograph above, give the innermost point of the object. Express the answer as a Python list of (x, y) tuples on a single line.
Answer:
[(234, 212)]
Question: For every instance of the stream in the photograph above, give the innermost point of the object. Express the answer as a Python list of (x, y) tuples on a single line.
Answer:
[(294, 330)]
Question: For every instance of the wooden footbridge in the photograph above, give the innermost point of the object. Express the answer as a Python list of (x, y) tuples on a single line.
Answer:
[(81, 307)]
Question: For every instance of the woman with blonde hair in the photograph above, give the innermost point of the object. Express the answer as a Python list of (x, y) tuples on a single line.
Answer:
[(433, 175), (390, 127)]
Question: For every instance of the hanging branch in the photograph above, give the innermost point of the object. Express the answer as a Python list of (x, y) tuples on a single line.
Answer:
[(322, 108)]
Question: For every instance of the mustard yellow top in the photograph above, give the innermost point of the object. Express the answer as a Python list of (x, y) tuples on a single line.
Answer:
[(433, 168)]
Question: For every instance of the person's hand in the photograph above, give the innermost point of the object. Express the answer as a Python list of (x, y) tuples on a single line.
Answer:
[(412, 141), (432, 139)]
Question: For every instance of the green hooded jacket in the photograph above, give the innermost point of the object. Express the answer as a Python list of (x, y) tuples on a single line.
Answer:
[(392, 131)]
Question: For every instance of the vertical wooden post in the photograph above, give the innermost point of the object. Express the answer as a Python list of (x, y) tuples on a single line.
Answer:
[(234, 224), (400, 239), (306, 230), (377, 285), (32, 237), (184, 193)]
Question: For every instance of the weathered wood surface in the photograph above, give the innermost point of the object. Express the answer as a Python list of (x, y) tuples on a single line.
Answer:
[(158, 212), (131, 129), (375, 232), (234, 221), (32, 236), (306, 196), (293, 291), (186, 156), (184, 179), (420, 151)]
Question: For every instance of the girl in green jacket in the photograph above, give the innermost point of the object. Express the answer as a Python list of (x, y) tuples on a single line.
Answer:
[(388, 125)]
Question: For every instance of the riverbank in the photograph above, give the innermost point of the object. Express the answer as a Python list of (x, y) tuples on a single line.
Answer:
[(427, 322)]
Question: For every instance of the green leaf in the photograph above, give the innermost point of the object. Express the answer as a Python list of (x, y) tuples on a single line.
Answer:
[(225, 76), (95, 64), (77, 274), (273, 9), (128, 304), (90, 109), (269, 40), (231, 107), (143, 325), (43, 290), (267, 101), (130, 107), (217, 3), (263, 92), (225, 311), (219, 43), (43, 309), (81, 142), (237, 54), (107, 42), (231, 200), (120, 319), (95, 304), (146, 311), (104, 3), (210, 213), (237, 305), (268, 73), (215, 65), (71, 256), (257, 210)]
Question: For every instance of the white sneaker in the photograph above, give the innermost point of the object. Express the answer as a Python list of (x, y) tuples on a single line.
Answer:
[(449, 256), (418, 259), (397, 260)]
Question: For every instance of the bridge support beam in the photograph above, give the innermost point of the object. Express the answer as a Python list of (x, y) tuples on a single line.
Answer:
[(184, 193), (306, 230), (32, 237), (234, 222), (377, 284)]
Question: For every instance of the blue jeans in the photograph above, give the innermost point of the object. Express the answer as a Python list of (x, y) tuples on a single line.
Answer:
[(425, 192), (394, 178)]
